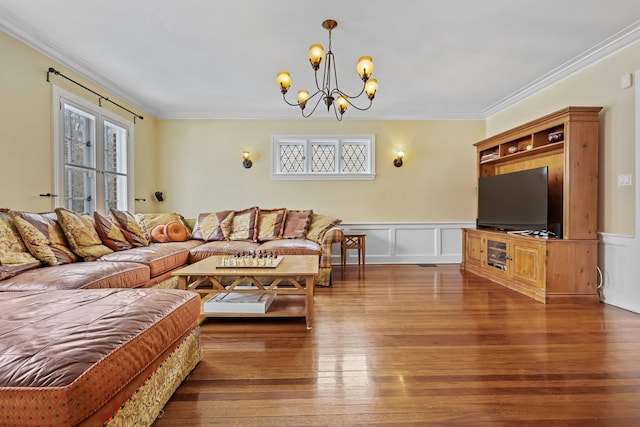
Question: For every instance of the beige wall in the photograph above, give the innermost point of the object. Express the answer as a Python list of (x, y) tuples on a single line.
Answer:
[(436, 183), (197, 163), (26, 130), (598, 85)]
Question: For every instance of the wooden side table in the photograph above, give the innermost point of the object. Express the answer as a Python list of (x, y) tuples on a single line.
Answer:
[(353, 241)]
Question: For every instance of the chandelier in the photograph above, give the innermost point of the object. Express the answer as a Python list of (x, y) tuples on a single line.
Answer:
[(328, 91)]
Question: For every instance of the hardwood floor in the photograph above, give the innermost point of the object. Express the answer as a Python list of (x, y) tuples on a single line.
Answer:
[(417, 346)]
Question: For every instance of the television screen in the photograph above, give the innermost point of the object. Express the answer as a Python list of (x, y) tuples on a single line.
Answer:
[(514, 201)]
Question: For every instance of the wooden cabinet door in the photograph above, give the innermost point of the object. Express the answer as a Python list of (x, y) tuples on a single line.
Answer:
[(473, 249), (527, 261)]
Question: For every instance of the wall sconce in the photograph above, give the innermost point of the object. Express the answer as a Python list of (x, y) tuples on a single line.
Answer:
[(246, 161), (397, 162)]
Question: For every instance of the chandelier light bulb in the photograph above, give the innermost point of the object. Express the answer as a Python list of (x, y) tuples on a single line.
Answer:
[(371, 87), (365, 67), (284, 81), (303, 96), (342, 104), (316, 55)]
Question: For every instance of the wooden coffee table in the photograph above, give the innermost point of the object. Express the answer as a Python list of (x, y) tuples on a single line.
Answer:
[(294, 299)]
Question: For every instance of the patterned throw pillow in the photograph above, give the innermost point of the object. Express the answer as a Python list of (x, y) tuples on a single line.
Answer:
[(296, 224), (208, 228), (110, 234), (14, 255), (319, 225), (44, 238), (149, 221), (242, 225), (129, 227), (270, 224), (81, 233)]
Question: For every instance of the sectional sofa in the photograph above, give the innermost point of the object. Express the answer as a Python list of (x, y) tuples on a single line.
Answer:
[(75, 251), (93, 330)]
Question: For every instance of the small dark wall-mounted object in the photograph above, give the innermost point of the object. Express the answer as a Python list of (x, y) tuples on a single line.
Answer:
[(159, 196), (246, 161)]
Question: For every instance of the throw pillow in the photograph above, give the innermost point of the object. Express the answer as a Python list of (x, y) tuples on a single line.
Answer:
[(81, 233), (14, 255), (176, 232), (110, 234), (243, 225), (44, 238), (129, 227), (149, 221), (270, 224), (12, 249), (296, 224), (319, 226), (208, 228), (157, 234)]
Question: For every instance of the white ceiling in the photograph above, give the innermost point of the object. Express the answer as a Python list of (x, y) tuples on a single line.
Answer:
[(434, 59)]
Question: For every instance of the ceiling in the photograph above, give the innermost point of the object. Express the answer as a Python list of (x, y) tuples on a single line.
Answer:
[(434, 59)]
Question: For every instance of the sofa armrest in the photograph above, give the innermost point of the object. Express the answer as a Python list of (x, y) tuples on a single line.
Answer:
[(331, 236)]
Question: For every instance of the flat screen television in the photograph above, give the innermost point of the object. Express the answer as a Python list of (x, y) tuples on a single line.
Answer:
[(514, 201)]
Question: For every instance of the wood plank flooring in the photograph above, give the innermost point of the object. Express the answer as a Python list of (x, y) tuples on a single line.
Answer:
[(407, 345)]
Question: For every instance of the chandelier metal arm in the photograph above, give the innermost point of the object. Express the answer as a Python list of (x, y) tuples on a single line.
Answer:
[(348, 99), (320, 98)]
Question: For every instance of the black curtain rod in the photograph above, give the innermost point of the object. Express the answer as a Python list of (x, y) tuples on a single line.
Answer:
[(100, 97)]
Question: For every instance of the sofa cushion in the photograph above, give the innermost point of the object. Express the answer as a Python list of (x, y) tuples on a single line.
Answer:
[(241, 225), (149, 221), (129, 227), (159, 257), (207, 226), (319, 225), (14, 255), (221, 248), (110, 234), (44, 238), (270, 224), (81, 233), (296, 224), (80, 275), (291, 247)]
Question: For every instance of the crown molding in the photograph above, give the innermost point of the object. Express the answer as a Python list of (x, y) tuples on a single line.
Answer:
[(177, 115), (599, 52)]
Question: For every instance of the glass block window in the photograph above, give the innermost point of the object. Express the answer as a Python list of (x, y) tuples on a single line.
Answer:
[(92, 156), (323, 157)]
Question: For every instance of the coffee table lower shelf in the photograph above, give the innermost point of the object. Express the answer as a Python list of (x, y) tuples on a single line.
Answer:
[(282, 306)]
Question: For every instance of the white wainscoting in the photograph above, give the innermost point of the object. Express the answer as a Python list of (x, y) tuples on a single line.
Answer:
[(407, 243), (618, 261)]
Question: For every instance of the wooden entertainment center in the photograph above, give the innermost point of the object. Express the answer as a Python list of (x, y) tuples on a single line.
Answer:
[(562, 268)]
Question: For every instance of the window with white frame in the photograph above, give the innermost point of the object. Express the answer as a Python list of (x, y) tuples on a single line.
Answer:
[(93, 162), (323, 157)]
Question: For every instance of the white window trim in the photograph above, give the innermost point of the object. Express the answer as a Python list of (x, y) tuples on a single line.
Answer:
[(61, 95), (307, 141)]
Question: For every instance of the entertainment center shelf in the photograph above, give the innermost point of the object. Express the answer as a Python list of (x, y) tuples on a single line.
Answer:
[(566, 144)]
